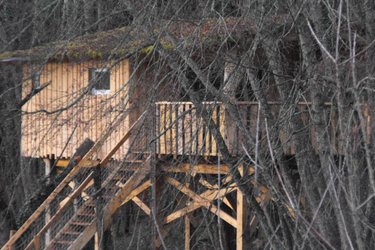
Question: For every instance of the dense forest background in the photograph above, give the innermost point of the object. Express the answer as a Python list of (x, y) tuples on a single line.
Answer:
[(319, 51)]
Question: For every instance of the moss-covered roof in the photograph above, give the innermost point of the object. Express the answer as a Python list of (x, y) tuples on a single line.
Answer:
[(125, 41)]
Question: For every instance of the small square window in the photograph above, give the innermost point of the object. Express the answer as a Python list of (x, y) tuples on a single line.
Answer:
[(99, 79), (35, 79)]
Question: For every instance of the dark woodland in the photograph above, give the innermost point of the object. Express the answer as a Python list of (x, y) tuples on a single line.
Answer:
[(300, 71)]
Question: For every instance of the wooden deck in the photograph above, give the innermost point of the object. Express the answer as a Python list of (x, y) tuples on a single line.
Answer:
[(181, 131)]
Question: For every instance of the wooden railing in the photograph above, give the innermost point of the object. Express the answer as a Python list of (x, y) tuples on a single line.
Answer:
[(182, 131)]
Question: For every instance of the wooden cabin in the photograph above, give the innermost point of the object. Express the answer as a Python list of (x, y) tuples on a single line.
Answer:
[(82, 86), (97, 86)]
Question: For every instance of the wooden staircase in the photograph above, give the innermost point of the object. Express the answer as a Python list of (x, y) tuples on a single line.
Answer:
[(82, 225), (67, 219)]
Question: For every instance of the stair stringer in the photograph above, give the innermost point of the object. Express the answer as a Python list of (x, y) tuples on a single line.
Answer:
[(110, 209)]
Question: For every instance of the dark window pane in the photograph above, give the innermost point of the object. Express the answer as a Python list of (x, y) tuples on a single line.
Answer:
[(99, 80), (36, 80)]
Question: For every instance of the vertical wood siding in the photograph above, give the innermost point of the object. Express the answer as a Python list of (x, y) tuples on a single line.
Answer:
[(62, 131)]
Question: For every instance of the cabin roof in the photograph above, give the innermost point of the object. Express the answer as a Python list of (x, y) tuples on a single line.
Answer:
[(125, 41)]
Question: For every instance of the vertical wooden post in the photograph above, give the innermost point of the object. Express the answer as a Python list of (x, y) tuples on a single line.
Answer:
[(156, 180), (240, 220), (187, 232), (99, 205), (47, 172), (97, 241), (37, 243), (157, 186)]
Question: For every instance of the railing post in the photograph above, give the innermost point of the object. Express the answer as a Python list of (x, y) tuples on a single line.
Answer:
[(36, 242)]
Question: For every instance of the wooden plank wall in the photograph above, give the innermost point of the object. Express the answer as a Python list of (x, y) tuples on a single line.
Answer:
[(62, 130)]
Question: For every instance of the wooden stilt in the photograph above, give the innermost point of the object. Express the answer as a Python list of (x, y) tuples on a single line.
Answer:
[(187, 232), (97, 241), (240, 220), (187, 225), (157, 187), (47, 217), (47, 166), (99, 206)]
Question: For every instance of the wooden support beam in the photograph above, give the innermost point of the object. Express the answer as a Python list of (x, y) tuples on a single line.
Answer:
[(208, 195), (206, 203), (209, 185), (240, 220), (201, 169), (142, 205), (96, 241), (181, 168), (182, 212), (84, 164), (187, 225), (187, 232), (137, 191)]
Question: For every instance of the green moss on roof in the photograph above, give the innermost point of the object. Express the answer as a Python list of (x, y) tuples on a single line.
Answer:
[(125, 41)]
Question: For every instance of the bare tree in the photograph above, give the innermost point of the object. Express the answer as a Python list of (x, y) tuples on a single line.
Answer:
[(305, 67)]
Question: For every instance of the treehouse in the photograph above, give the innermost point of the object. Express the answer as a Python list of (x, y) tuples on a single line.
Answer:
[(120, 89)]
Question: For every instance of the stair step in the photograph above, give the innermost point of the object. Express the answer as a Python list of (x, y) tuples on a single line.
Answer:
[(90, 205), (86, 213), (63, 242), (80, 223), (71, 233)]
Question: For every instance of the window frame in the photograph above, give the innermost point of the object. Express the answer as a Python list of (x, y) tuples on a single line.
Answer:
[(95, 80)]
